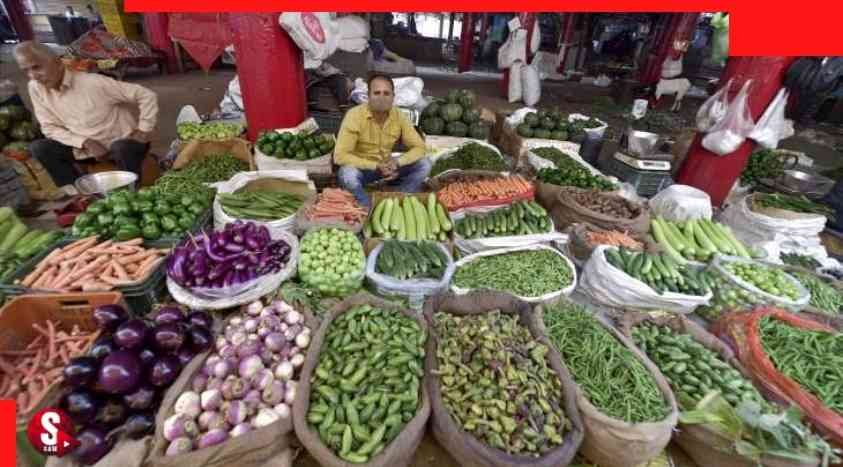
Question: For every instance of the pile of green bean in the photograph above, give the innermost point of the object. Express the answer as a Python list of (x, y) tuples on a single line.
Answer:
[(529, 273), (497, 383), (172, 183), (814, 359), (824, 297), (260, 205), (793, 203), (612, 377), (803, 261)]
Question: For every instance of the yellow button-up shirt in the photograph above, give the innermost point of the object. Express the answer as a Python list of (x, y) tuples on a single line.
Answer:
[(363, 143), (92, 106)]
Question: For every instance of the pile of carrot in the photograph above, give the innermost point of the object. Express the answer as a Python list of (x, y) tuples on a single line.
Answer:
[(94, 267), (335, 204), (459, 194), (27, 375), (614, 238)]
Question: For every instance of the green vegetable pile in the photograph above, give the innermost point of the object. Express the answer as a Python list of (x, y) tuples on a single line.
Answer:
[(457, 115), (366, 386), (411, 260), (803, 261), (497, 383), (766, 163), (150, 214), (814, 359), (569, 172), (545, 124), (824, 297), (214, 168), (793, 203), (16, 125), (172, 183), (300, 146), (660, 272), (408, 218), (18, 243), (332, 261), (611, 376), (215, 131), (521, 218), (530, 273), (691, 369), (771, 280), (260, 205), (470, 156), (696, 239)]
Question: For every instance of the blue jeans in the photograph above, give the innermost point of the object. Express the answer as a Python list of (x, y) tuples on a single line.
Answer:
[(410, 179)]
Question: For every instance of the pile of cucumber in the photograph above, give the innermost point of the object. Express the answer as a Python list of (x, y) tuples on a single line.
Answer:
[(408, 219), (411, 260), (697, 239), (660, 271), (521, 218), (18, 243)]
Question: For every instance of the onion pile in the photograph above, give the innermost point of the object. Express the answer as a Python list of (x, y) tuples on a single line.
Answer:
[(241, 252), (248, 382), (117, 387)]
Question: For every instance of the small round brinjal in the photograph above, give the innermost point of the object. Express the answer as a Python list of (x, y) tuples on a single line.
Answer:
[(141, 399), (139, 424), (200, 339), (164, 371), (131, 334), (120, 372), (169, 314), (185, 355), (103, 346), (112, 414), (108, 317), (200, 318), (93, 445), (168, 337), (81, 405), (81, 371), (147, 358)]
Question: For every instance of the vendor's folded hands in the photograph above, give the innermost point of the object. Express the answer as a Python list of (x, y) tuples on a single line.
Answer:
[(388, 169), (95, 149)]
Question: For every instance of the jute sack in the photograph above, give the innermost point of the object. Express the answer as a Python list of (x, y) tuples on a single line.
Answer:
[(400, 451), (566, 211), (464, 447), (126, 453)]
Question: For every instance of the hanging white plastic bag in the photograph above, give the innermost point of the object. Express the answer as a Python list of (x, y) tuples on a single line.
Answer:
[(531, 85), (515, 92), (773, 126), (671, 68), (714, 108), (729, 133), (316, 34), (681, 203)]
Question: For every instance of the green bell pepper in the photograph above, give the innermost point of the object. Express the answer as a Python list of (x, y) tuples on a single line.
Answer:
[(196, 208), (146, 194), (149, 218), (84, 219), (168, 223), (151, 231), (96, 208), (186, 221), (186, 201), (128, 232), (122, 220), (162, 207), (105, 219), (121, 208), (145, 206)]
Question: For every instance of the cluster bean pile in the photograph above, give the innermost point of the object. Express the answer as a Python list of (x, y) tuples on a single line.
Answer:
[(569, 172), (211, 169), (366, 387), (471, 156), (497, 383), (824, 297), (523, 273), (793, 203), (612, 377)]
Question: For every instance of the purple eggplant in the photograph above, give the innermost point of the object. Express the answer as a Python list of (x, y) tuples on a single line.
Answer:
[(169, 314), (200, 339), (164, 371), (112, 414), (102, 347), (93, 445), (81, 371), (200, 318), (168, 337), (234, 248), (81, 405), (141, 399), (139, 425), (176, 264), (185, 355), (120, 372), (131, 334), (147, 358), (108, 317)]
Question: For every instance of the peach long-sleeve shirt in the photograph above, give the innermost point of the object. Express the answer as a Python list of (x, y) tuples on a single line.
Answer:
[(92, 106)]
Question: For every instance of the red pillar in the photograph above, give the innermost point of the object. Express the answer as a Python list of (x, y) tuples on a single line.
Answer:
[(717, 174), (271, 71), (155, 26), (681, 28), (466, 43), (565, 39), (17, 16)]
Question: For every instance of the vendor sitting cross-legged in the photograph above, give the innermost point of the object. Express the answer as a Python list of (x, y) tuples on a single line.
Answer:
[(366, 139)]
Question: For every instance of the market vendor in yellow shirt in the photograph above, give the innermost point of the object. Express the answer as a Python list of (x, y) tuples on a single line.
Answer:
[(366, 139)]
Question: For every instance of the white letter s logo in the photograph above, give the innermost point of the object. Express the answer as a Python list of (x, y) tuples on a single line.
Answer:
[(48, 421)]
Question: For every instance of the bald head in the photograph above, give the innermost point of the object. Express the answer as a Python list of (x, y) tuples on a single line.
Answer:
[(39, 63)]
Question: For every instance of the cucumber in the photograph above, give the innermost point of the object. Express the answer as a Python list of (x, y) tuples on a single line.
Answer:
[(444, 222), (25, 241), (386, 221), (431, 213), (638, 263), (409, 220), (723, 245), (6, 226), (6, 213), (659, 265), (668, 235), (367, 229), (15, 233), (687, 248), (703, 239), (730, 237), (376, 217), (625, 256), (421, 219), (537, 208), (661, 237), (398, 224), (615, 258), (648, 265)]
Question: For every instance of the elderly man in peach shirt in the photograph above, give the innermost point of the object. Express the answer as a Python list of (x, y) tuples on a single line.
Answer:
[(85, 117)]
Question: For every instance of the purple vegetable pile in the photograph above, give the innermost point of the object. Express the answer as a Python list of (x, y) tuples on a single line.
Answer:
[(115, 390), (241, 252), (247, 383)]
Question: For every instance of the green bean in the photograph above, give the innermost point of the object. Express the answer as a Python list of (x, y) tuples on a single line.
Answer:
[(524, 273), (804, 261), (824, 297), (613, 378), (793, 203)]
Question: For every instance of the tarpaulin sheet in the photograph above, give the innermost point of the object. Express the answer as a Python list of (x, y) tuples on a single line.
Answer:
[(99, 44), (203, 35)]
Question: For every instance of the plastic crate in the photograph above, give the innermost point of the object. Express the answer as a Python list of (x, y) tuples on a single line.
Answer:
[(329, 122), (141, 299), (646, 182)]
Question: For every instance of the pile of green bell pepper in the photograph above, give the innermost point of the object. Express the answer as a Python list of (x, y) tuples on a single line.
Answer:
[(146, 213)]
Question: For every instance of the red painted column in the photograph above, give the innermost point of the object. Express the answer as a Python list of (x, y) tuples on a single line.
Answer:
[(717, 174), (155, 25), (19, 20), (271, 71), (565, 39), (466, 43), (681, 28)]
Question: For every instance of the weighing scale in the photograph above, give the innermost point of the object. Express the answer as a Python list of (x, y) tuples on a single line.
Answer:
[(639, 164)]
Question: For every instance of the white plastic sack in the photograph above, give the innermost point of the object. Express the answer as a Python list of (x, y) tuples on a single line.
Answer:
[(353, 27), (681, 203), (714, 108), (515, 47), (243, 178), (416, 289), (357, 45), (773, 126), (547, 65), (730, 132), (516, 118), (515, 92), (246, 294), (408, 91), (531, 85), (671, 68), (541, 299), (608, 285), (759, 297), (316, 34), (470, 246), (592, 133)]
